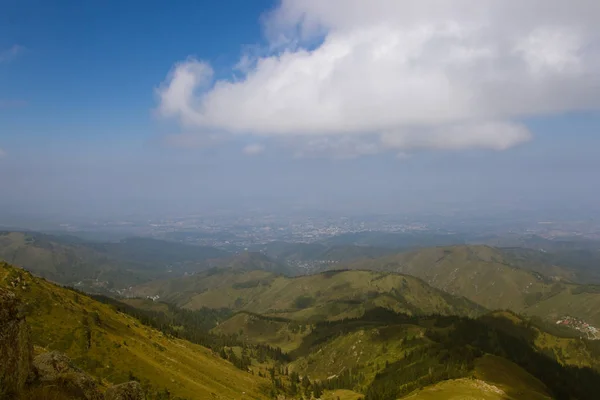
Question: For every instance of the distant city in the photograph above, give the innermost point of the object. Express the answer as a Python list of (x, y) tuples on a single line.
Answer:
[(257, 228)]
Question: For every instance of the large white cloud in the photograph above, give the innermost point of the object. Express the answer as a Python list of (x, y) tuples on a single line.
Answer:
[(391, 74)]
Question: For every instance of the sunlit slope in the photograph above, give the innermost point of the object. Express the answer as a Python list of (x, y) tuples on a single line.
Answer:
[(484, 275), (329, 295), (114, 347), (258, 329), (476, 272), (494, 378)]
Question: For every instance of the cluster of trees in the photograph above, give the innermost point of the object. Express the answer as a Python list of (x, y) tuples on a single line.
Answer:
[(422, 367), (292, 385), (242, 362)]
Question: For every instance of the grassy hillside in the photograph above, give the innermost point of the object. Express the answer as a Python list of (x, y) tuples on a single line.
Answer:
[(116, 347), (488, 277), (576, 265), (329, 295), (477, 272), (259, 329)]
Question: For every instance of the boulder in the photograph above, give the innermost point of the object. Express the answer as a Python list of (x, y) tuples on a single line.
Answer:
[(16, 350), (56, 368), (125, 391)]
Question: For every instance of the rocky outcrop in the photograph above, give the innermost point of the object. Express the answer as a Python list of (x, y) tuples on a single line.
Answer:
[(15, 345), (21, 373), (125, 391), (57, 369)]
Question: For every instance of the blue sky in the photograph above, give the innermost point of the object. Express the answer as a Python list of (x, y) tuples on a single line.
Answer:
[(116, 107)]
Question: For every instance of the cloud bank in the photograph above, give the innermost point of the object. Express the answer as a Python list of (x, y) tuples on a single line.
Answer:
[(350, 77)]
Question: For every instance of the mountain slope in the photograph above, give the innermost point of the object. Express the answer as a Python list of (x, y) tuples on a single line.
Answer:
[(329, 295), (486, 276), (387, 356), (115, 347), (494, 378)]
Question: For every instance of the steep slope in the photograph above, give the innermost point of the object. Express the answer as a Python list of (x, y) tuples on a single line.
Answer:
[(115, 347), (329, 295), (486, 276)]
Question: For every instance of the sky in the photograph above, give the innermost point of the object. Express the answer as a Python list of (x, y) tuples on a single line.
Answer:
[(111, 108)]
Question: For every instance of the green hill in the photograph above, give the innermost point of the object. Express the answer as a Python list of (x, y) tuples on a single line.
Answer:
[(329, 295), (115, 347), (100, 267), (488, 277)]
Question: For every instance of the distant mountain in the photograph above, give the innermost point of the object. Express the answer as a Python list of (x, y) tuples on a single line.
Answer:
[(156, 252), (329, 295), (307, 258), (577, 257), (250, 261), (101, 266), (395, 240), (496, 280), (577, 265)]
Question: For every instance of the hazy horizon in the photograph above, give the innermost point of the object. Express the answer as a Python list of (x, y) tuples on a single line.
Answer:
[(378, 107)]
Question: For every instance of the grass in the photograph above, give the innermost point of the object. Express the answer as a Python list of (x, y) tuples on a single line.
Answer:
[(330, 295), (341, 394), (115, 347), (494, 378), (493, 279), (459, 389), (510, 378), (367, 349), (253, 328)]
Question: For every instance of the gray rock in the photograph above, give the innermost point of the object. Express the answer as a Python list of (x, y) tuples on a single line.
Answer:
[(16, 349), (57, 369), (125, 391)]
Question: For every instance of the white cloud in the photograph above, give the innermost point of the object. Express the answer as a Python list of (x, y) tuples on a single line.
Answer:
[(388, 74), (253, 149), (11, 53)]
